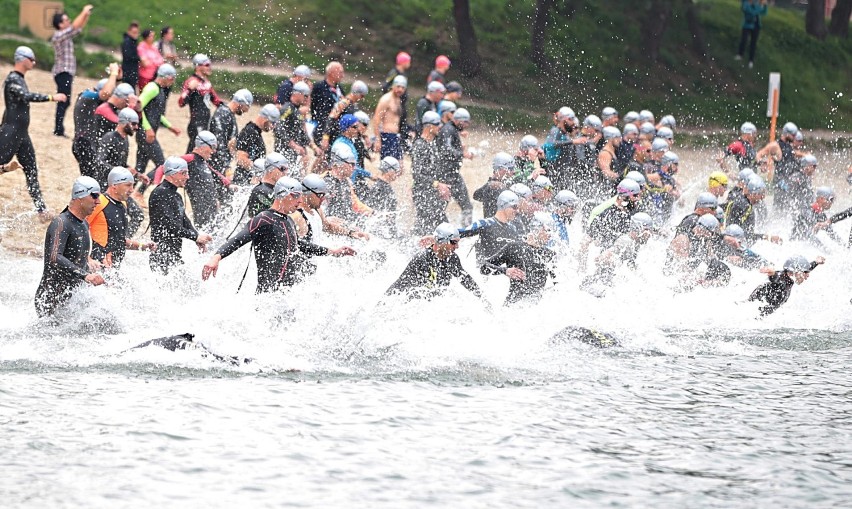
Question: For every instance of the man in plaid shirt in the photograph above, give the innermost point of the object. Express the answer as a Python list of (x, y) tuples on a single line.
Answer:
[(65, 65)]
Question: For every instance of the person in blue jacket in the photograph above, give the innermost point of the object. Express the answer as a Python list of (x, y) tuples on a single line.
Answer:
[(752, 11)]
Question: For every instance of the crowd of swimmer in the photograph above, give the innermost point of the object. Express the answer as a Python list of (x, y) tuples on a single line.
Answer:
[(620, 182)]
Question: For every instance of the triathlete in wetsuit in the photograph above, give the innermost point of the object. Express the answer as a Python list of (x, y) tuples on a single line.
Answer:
[(14, 132), (153, 101), (426, 188), (199, 94), (291, 139), (776, 292), (527, 264), (451, 153), (66, 249), (261, 197), (250, 145), (223, 125), (495, 232)]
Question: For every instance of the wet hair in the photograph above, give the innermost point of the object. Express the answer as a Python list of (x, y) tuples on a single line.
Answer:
[(164, 31), (146, 33), (57, 19)]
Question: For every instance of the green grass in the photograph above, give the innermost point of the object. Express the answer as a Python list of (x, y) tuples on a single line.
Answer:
[(599, 59)]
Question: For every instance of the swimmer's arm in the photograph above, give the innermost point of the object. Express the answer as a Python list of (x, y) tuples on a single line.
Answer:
[(312, 249), (237, 241), (58, 235)]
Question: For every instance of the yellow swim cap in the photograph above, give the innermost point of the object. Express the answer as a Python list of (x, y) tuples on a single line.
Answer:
[(718, 178)]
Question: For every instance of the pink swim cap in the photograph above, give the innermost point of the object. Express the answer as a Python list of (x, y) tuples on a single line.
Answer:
[(403, 58), (442, 61)]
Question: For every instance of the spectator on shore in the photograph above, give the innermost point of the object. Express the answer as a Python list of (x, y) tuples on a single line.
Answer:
[(64, 63), (752, 11), (150, 58), (130, 55)]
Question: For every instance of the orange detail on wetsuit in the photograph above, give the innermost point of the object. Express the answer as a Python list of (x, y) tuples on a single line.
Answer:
[(98, 227)]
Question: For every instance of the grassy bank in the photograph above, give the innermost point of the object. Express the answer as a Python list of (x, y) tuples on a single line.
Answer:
[(599, 60)]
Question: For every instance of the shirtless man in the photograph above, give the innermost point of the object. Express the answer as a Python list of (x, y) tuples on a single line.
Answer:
[(386, 120)]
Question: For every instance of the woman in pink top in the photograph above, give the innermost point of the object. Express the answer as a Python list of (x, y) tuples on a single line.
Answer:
[(150, 58)]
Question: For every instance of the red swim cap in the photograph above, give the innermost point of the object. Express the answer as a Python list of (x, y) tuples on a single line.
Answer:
[(442, 61), (402, 58)]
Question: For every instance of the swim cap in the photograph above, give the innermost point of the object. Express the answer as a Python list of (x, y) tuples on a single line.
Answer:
[(206, 138), (668, 121), (628, 187), (454, 86), (24, 53), (502, 161), (442, 60), (709, 222), (719, 178), (659, 145), (669, 158), (101, 84), (275, 161), (120, 175), (173, 165), (756, 185), (720, 214), (790, 128), (797, 264), (257, 166), (315, 184), (565, 197), (462, 115), (706, 201), (566, 112), (445, 106), (347, 121), (809, 160), (431, 117), (200, 59), (637, 177), (541, 219), (302, 71), (400, 81), (611, 132), (435, 86), (647, 128), (521, 190), (641, 221), (243, 96), (402, 58), (630, 128), (593, 121), (507, 199), (123, 91), (745, 175), (529, 141), (389, 164), (342, 153), (800, 136), (748, 128), (630, 117), (270, 112), (287, 186), (301, 88), (824, 192), (360, 88), (445, 233), (128, 116), (166, 71), (665, 133), (84, 186), (646, 116), (362, 117), (609, 112), (734, 230), (542, 183)]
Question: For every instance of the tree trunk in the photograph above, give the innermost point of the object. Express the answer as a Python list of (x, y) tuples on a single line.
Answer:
[(840, 19), (815, 19), (470, 62), (699, 43), (538, 35), (654, 26)]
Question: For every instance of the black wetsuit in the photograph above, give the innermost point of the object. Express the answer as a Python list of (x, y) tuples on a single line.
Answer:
[(381, 198), (840, 216), (423, 105), (339, 199), (429, 208), (169, 226), (113, 150), (493, 236), (251, 142), (450, 157), (223, 125), (803, 228), (702, 250), (610, 224), (199, 113), (130, 60), (587, 183), (323, 99), (740, 211), (426, 275), (534, 261), (487, 195), (285, 90), (84, 146), (201, 188), (66, 251), (798, 192), (106, 118), (291, 127), (743, 152), (14, 132), (115, 214), (775, 292), (260, 199), (276, 249), (559, 153)]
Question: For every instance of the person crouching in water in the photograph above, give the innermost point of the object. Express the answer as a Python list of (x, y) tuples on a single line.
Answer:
[(776, 292), (526, 263)]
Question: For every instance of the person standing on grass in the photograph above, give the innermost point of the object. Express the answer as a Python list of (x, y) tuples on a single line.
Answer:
[(65, 65), (752, 11)]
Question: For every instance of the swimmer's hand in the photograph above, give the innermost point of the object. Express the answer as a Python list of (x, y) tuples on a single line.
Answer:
[(211, 267)]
